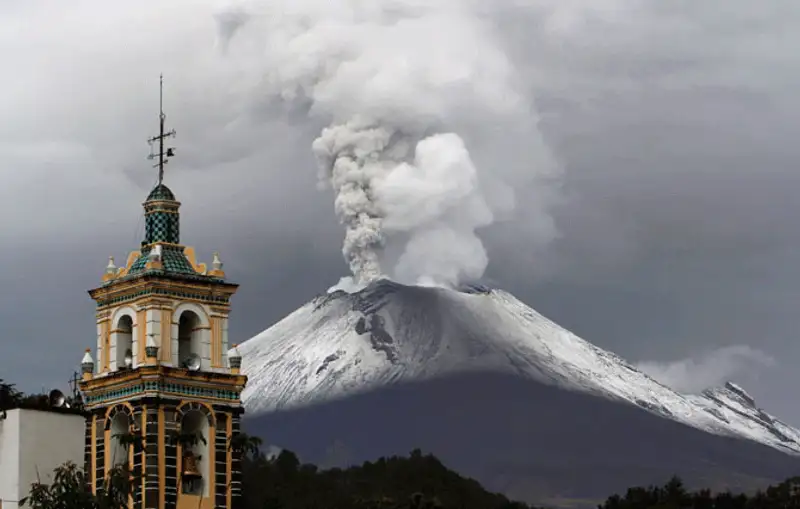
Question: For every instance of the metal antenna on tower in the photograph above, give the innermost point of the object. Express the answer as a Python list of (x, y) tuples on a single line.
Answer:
[(162, 155), (73, 384)]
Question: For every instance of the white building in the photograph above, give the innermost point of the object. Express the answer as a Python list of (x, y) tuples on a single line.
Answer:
[(32, 444)]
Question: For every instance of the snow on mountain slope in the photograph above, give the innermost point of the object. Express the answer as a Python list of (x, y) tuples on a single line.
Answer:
[(734, 406), (341, 344)]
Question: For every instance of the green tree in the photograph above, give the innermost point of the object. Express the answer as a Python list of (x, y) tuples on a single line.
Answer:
[(287, 462), (418, 481), (9, 398), (673, 495), (248, 446), (70, 490)]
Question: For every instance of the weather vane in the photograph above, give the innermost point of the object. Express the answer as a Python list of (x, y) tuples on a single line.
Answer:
[(170, 151)]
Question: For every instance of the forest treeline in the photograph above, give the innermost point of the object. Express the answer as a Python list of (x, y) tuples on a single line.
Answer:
[(416, 481), (422, 481)]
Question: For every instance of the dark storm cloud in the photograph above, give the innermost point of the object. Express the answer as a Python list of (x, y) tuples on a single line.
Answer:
[(674, 125)]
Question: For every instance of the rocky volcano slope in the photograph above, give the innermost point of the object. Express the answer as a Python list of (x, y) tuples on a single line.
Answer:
[(497, 391)]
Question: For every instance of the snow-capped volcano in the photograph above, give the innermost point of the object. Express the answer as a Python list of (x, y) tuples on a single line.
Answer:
[(341, 344)]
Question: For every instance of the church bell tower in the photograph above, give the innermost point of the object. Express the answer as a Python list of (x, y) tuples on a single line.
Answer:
[(162, 392)]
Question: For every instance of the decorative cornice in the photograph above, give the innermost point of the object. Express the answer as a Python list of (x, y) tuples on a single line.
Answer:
[(215, 292), (148, 389), (163, 244), (156, 381), (168, 203), (151, 372)]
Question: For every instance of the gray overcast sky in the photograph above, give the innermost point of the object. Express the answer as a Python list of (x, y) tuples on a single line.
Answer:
[(674, 124)]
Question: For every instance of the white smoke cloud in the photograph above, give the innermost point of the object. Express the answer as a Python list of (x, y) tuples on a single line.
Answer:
[(398, 81), (710, 370)]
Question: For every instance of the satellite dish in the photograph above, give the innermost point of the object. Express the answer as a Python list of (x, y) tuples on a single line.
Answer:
[(192, 363), (57, 399), (128, 358)]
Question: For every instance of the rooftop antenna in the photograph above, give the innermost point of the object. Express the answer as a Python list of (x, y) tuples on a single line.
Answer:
[(73, 384), (162, 155)]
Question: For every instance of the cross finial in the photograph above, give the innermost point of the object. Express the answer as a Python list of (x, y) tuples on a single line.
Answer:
[(162, 154)]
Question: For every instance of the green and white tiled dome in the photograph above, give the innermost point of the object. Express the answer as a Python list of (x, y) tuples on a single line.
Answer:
[(161, 192), (162, 228)]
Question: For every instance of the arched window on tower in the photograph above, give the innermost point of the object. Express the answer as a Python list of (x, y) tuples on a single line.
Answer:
[(120, 432), (190, 342), (195, 453), (124, 343)]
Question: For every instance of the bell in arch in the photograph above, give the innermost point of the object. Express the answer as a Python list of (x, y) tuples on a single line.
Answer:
[(191, 472)]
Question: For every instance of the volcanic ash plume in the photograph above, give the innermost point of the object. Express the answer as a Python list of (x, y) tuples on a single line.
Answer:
[(384, 184), (396, 80), (352, 158)]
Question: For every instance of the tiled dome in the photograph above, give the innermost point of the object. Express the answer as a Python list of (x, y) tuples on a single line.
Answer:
[(161, 192)]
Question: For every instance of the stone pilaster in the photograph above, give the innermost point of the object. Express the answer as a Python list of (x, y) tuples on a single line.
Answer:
[(221, 461), (99, 454), (170, 458), (236, 468), (225, 344), (138, 457), (151, 479), (88, 447)]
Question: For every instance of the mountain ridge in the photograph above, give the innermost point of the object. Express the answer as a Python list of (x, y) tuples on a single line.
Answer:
[(500, 394), (341, 344)]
